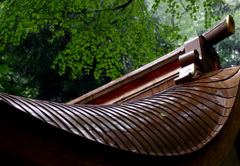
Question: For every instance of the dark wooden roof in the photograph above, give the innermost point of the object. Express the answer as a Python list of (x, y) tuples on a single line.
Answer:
[(176, 121), (193, 123)]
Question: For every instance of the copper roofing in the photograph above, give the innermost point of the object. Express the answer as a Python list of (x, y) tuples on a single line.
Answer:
[(176, 121)]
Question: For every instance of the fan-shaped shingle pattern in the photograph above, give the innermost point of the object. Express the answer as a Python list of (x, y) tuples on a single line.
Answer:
[(176, 121)]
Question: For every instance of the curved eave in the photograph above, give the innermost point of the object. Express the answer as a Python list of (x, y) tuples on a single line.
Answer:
[(177, 121)]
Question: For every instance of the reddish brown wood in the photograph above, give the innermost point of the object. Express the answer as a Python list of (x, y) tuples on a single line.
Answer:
[(156, 73), (196, 123), (147, 79)]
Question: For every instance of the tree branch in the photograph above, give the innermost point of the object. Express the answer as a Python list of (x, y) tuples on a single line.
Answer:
[(123, 6), (172, 20), (182, 5), (117, 8)]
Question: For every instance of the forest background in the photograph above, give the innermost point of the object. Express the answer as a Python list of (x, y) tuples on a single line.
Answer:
[(59, 50)]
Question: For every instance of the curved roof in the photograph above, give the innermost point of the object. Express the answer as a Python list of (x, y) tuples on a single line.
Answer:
[(176, 121)]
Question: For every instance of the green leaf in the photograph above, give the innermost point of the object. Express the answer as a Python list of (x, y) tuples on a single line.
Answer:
[(163, 115)]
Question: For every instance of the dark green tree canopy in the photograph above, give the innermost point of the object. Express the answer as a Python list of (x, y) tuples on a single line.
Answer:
[(99, 32), (47, 47)]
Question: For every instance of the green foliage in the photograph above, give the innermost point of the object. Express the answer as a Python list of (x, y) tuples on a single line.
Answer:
[(47, 48), (100, 32), (30, 75), (194, 8), (98, 37)]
